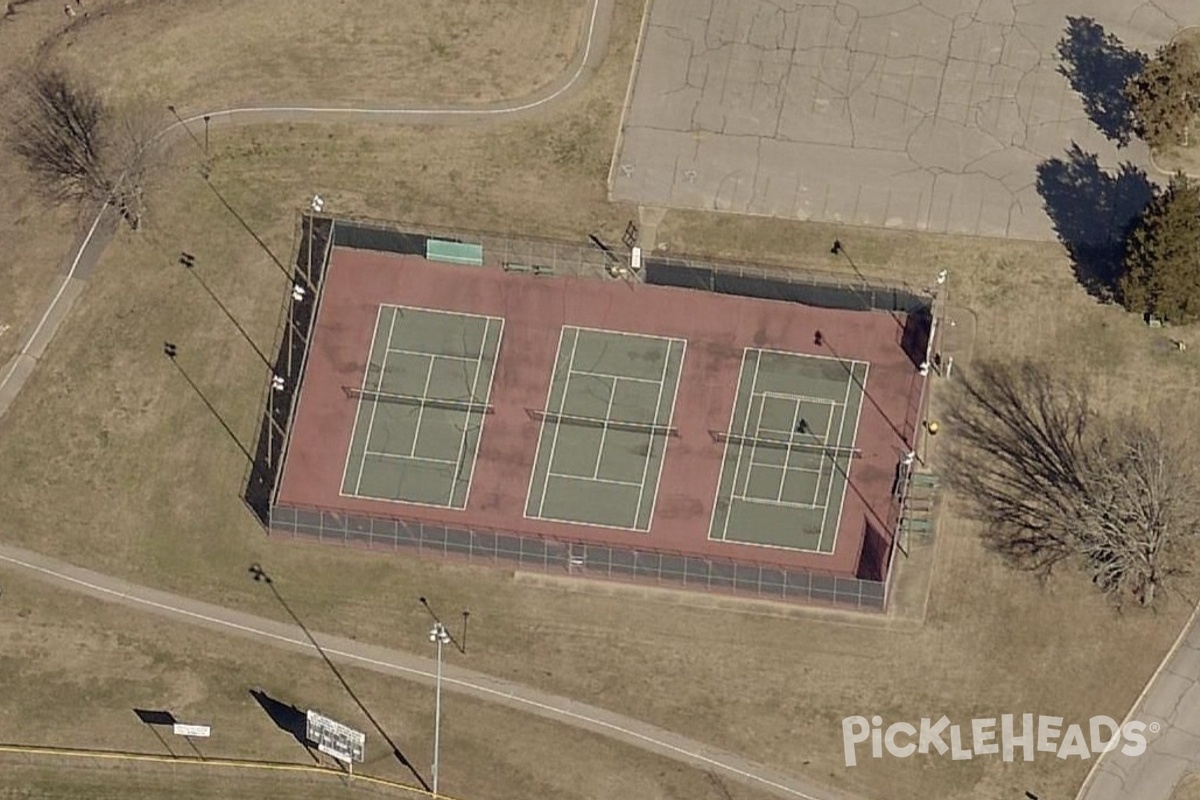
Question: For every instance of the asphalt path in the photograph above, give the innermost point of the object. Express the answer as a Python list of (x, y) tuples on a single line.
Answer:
[(397, 663), (87, 254)]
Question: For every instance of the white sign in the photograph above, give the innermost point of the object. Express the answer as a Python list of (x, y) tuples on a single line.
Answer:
[(335, 739), (199, 731)]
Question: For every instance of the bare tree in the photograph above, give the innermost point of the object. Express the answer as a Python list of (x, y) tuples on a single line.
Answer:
[(1056, 482), (77, 148)]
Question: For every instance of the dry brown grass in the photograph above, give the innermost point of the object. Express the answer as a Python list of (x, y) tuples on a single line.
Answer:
[(1188, 788), (76, 670), (108, 460), (207, 54)]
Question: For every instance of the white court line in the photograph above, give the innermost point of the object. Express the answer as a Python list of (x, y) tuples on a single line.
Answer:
[(374, 406), (562, 403), (825, 401), (466, 425), (403, 457), (746, 437), (307, 645), (791, 440), (849, 461), (766, 501), (662, 381), (412, 451), (537, 450), (486, 399), (437, 355), (592, 374), (612, 481), (834, 470), (612, 395), (670, 420), (745, 428), (358, 406)]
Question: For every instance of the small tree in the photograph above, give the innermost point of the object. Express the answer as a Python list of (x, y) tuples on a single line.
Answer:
[(1057, 483), (77, 148), (1165, 95), (1162, 255)]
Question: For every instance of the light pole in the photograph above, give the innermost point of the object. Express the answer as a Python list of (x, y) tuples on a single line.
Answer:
[(439, 636)]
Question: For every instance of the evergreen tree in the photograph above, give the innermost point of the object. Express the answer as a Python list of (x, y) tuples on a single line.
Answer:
[(1162, 255), (1165, 95)]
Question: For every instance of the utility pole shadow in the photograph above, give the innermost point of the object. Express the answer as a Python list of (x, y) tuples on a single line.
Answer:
[(259, 574)]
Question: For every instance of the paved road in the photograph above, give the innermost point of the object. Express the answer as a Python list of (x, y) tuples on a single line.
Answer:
[(1171, 700), (394, 662)]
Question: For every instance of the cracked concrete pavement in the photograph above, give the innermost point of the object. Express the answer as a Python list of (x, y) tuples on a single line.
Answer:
[(929, 115)]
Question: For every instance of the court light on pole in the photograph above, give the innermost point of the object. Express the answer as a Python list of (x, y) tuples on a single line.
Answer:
[(439, 636)]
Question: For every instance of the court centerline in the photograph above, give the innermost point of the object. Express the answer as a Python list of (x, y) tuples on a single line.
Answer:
[(613, 481), (406, 352), (612, 396), (562, 402), (592, 374), (791, 440), (403, 457), (374, 405), (412, 451)]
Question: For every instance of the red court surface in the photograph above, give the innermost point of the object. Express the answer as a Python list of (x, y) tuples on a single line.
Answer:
[(717, 329)]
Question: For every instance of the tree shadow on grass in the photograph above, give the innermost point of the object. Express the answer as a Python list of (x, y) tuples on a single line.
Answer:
[(1097, 64), (1093, 211)]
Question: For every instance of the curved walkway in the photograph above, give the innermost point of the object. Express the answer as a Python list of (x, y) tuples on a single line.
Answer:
[(87, 255), (93, 244), (394, 662)]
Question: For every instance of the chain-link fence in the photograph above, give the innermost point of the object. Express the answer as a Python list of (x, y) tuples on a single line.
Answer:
[(586, 559), (514, 252), (821, 289)]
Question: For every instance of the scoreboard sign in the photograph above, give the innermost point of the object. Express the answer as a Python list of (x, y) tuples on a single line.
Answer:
[(335, 739)]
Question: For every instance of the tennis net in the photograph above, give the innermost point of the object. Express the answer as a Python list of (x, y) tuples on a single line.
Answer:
[(452, 404), (648, 428), (786, 444)]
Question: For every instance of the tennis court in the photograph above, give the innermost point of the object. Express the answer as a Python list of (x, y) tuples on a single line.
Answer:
[(422, 403), (788, 451), (605, 428)]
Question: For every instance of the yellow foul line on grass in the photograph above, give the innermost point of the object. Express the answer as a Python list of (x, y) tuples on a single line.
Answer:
[(112, 755), (516, 699)]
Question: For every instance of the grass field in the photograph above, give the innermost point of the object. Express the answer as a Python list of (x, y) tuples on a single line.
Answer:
[(107, 460), (206, 54), (110, 660)]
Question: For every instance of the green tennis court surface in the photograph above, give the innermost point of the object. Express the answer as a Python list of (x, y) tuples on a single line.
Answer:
[(788, 450), (421, 406), (605, 428)]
